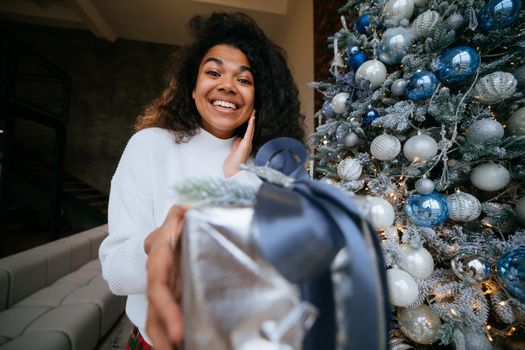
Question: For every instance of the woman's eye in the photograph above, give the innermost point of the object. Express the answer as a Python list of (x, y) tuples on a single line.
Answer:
[(244, 81), (213, 73)]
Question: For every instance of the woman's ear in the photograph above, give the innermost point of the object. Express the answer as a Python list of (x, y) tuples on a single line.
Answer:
[(193, 94)]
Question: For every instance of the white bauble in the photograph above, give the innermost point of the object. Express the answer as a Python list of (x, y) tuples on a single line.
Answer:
[(351, 139), (419, 262), (516, 122), (398, 87), (420, 324), (420, 3), (381, 213), (385, 147), (340, 102), (374, 71), (426, 23), (463, 207), (420, 147), (490, 177), (483, 130), (495, 87), (349, 169), (455, 21), (402, 287), (520, 209), (425, 186), (397, 10), (471, 339), (328, 180)]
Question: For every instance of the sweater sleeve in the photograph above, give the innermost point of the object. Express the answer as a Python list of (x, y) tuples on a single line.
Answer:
[(130, 220)]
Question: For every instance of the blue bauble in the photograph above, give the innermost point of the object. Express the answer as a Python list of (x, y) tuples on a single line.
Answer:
[(498, 14), (421, 86), (370, 116), (511, 271), (327, 109), (362, 23), (357, 60), (427, 210), (456, 64), (349, 52)]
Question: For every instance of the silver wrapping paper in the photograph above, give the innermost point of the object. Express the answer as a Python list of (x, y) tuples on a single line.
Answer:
[(232, 298)]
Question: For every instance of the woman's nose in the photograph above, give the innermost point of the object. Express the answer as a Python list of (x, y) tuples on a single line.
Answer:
[(227, 85)]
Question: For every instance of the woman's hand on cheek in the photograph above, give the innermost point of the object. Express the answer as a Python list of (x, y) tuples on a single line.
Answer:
[(164, 323), (241, 149)]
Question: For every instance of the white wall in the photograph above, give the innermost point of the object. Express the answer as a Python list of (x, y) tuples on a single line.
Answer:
[(298, 41)]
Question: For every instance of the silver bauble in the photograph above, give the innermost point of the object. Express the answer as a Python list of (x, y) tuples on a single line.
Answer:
[(420, 3), (455, 21), (418, 261), (340, 102), (495, 87), (328, 180), (471, 339), (425, 186), (402, 287), (516, 122), (349, 169), (397, 10), (519, 74), (520, 209), (398, 87), (420, 324), (472, 269), (463, 207), (426, 23), (374, 71), (490, 177), (380, 212), (483, 130), (395, 43), (351, 139), (385, 147), (420, 147)]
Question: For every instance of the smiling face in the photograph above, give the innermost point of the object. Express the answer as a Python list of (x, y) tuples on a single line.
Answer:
[(224, 92)]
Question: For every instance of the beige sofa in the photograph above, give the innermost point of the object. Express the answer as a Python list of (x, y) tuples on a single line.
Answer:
[(53, 297)]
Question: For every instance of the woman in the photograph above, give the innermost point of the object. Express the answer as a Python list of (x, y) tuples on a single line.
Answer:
[(230, 93)]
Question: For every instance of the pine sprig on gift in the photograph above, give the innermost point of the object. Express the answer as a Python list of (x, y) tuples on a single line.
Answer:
[(217, 191)]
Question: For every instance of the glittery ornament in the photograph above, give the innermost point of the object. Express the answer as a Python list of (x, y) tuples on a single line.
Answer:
[(385, 147), (516, 122), (426, 23), (420, 147), (490, 177), (418, 261), (484, 130), (349, 169), (397, 10), (421, 86), (420, 324), (499, 14), (398, 87), (520, 209), (402, 287), (327, 109), (511, 271), (340, 102), (374, 71), (427, 210), (476, 268), (395, 43), (456, 64), (425, 186), (495, 87), (463, 207), (380, 213), (455, 21)]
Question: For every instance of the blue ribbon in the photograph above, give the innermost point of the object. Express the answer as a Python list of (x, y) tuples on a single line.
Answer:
[(301, 229)]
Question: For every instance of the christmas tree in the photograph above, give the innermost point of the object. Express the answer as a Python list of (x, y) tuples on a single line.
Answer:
[(424, 116)]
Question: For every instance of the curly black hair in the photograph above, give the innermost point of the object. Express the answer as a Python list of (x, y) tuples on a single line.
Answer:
[(276, 95)]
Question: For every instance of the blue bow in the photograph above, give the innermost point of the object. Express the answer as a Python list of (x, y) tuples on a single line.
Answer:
[(301, 229)]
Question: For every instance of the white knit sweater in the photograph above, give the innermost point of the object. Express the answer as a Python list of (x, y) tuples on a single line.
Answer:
[(143, 189)]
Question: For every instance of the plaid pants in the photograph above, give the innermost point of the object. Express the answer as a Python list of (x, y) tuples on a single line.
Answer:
[(137, 342)]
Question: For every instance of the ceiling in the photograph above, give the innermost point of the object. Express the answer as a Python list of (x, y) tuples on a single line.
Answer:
[(158, 21)]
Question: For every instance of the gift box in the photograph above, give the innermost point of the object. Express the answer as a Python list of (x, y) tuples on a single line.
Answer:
[(263, 276)]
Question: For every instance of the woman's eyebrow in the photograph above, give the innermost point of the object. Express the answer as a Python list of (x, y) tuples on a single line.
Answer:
[(242, 68)]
